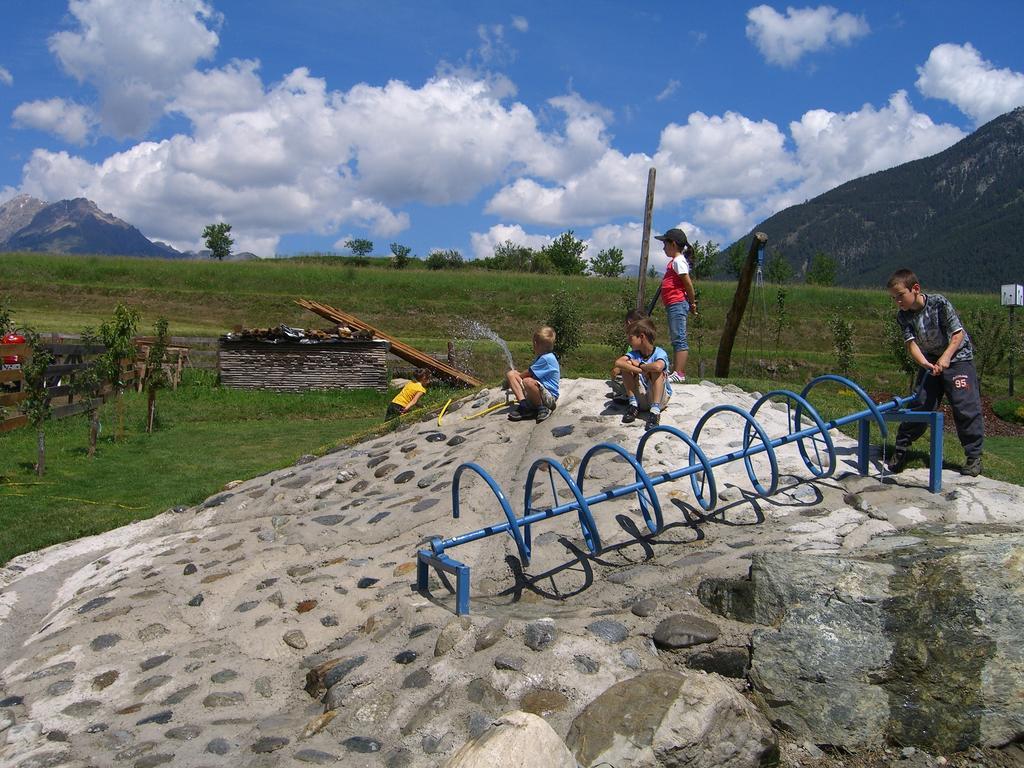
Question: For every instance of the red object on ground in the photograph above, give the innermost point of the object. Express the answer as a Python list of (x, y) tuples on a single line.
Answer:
[(11, 338)]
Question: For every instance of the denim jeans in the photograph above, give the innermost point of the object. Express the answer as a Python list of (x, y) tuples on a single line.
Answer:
[(677, 314)]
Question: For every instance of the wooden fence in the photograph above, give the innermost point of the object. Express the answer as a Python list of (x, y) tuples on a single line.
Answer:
[(71, 355)]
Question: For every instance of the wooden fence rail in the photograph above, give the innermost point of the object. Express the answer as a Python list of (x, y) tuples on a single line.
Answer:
[(70, 356)]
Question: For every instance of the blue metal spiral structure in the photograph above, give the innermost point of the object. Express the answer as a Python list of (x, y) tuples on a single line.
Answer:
[(813, 441)]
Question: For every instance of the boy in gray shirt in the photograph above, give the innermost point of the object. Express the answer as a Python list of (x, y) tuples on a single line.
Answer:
[(936, 340)]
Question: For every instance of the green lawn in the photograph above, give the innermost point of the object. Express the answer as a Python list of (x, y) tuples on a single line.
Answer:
[(207, 437)]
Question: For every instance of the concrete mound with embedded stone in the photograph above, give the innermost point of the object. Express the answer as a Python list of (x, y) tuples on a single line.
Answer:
[(278, 622)]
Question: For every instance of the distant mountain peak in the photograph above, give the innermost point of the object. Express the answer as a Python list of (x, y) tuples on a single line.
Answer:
[(72, 226)]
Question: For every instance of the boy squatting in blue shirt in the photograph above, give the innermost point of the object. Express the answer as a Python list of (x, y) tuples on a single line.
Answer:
[(643, 374), (536, 388)]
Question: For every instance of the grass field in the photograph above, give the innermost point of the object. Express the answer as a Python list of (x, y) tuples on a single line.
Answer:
[(209, 436)]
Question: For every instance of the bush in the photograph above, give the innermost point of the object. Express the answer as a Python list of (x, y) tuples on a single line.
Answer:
[(842, 342), (450, 259), (566, 317), (1009, 409)]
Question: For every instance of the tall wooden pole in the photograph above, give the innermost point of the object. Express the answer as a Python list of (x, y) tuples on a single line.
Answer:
[(645, 246), (739, 305)]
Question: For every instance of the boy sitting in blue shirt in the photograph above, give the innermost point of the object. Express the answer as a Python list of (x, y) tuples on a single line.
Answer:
[(643, 374), (536, 388)]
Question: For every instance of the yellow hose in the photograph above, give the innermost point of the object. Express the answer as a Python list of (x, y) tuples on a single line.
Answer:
[(485, 411), (441, 414)]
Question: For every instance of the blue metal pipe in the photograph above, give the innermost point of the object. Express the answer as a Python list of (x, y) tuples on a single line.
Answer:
[(704, 487)]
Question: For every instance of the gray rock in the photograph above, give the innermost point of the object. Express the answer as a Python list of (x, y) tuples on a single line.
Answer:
[(103, 642), (223, 676), (52, 671), (361, 744), (151, 632), (540, 634), (645, 607), (585, 664), (631, 659), (480, 691), (406, 657), (513, 663), (180, 695), (491, 634), (184, 733), (262, 687), (328, 520), (6, 719), (96, 602), (915, 646), (45, 759), (683, 631), (154, 661), (336, 696), (218, 746), (196, 601), (608, 630), (295, 639), (160, 718), (404, 477), (452, 633), (224, 699), (672, 719), (81, 708), (418, 679), (398, 758), (267, 744)]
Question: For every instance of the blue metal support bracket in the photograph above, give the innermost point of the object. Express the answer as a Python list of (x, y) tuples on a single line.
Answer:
[(933, 419)]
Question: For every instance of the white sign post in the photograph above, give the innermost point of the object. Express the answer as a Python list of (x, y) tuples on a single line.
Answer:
[(1012, 296)]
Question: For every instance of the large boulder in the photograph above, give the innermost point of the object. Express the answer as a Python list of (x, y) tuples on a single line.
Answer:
[(690, 719), (515, 740), (919, 644)]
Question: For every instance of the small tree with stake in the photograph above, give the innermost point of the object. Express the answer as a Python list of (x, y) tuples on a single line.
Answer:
[(156, 377), (118, 336), (37, 402), (360, 246), (88, 381), (218, 240)]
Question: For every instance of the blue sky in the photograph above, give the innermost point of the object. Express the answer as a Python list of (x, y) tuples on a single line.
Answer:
[(463, 124)]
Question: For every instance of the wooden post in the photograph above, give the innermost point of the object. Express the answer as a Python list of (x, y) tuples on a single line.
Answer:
[(1013, 344), (645, 246), (739, 305)]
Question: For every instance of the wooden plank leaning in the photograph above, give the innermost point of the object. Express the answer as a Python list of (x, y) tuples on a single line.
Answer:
[(404, 351)]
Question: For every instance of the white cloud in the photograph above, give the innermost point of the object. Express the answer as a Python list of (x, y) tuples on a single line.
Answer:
[(72, 122), (520, 23), (727, 214), (6, 77), (135, 53), (834, 148), (958, 74), (670, 88), (484, 243), (783, 40)]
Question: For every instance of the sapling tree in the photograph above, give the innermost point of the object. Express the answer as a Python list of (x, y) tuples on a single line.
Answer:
[(822, 270), (156, 377), (842, 342), (88, 382), (608, 263), (36, 404), (400, 255), (990, 334), (781, 320), (566, 317), (566, 254), (118, 336)]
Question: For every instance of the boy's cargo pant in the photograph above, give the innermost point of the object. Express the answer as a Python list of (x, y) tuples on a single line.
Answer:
[(959, 383)]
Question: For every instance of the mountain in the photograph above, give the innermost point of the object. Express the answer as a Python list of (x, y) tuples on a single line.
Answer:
[(953, 218), (18, 212), (77, 226)]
